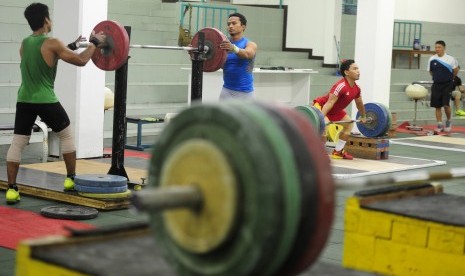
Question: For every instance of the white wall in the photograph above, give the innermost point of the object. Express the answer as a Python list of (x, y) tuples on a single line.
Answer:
[(312, 24), (444, 11)]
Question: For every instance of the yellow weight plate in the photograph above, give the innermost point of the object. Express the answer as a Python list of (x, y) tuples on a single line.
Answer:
[(203, 230), (107, 196), (333, 131)]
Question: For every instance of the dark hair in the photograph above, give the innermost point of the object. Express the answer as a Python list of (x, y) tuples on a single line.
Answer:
[(345, 65), (241, 18), (441, 42), (36, 13)]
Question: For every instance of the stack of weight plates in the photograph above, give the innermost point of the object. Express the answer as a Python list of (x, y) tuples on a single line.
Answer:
[(104, 186)]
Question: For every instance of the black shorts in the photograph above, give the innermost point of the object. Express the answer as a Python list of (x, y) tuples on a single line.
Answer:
[(440, 94), (53, 114)]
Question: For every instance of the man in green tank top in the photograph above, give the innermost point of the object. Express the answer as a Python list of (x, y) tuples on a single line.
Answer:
[(36, 96)]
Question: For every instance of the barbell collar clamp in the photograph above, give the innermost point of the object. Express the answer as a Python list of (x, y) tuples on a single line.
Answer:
[(167, 198)]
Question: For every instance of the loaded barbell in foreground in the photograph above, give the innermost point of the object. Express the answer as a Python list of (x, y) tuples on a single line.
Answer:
[(247, 189)]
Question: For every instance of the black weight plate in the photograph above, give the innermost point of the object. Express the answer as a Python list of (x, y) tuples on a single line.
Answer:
[(69, 212), (312, 115), (100, 180)]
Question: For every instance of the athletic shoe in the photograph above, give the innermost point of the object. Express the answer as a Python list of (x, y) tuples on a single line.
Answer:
[(12, 196), (448, 126), (460, 112), (342, 154), (69, 184), (440, 128)]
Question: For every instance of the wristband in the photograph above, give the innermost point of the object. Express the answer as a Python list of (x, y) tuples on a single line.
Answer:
[(236, 49), (72, 46), (94, 41)]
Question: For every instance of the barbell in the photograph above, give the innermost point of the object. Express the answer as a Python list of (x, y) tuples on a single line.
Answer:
[(115, 50), (379, 119), (245, 189)]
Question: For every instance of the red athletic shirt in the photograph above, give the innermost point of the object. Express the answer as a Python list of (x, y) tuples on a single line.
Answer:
[(345, 94)]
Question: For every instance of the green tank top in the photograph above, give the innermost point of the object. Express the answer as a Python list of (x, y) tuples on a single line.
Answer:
[(37, 77)]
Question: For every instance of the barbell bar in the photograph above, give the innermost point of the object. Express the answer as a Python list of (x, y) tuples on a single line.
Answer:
[(410, 178), (368, 120), (159, 199), (115, 51), (233, 169), (181, 48)]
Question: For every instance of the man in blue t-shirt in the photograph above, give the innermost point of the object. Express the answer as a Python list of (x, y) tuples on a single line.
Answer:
[(443, 68), (238, 68)]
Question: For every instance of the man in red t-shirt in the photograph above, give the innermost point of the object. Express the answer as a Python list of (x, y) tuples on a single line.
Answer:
[(332, 105)]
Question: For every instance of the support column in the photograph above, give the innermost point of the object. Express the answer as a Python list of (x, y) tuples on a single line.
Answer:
[(332, 27), (80, 89), (373, 49)]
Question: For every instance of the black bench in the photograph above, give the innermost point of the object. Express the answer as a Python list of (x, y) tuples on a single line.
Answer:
[(142, 120)]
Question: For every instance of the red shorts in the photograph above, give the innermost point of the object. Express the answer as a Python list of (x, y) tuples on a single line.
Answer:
[(332, 116)]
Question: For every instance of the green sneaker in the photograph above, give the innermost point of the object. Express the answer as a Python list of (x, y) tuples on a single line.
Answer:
[(12, 196), (460, 112), (69, 184)]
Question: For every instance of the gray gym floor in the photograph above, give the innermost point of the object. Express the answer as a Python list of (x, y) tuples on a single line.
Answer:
[(330, 260)]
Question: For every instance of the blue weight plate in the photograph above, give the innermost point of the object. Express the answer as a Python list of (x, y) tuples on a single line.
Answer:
[(100, 180), (322, 119), (100, 190), (380, 120), (389, 114)]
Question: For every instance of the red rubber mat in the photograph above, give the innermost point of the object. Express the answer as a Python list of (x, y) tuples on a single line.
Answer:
[(130, 153), (427, 129), (17, 225)]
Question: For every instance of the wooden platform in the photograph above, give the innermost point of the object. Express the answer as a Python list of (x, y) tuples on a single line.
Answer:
[(45, 180), (405, 230), (119, 252)]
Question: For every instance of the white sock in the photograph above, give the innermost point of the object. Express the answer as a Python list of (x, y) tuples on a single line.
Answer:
[(340, 144)]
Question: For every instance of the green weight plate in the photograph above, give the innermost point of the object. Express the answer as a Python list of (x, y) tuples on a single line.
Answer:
[(310, 113), (259, 178), (308, 224), (311, 244), (290, 182), (322, 119)]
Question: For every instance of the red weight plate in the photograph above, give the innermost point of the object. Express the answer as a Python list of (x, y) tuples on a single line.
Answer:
[(115, 52), (315, 241), (215, 57)]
